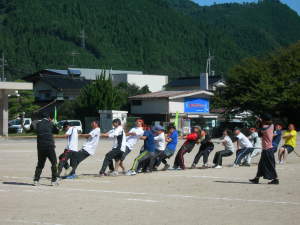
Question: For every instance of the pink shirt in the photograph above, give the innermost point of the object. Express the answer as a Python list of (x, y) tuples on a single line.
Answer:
[(267, 137)]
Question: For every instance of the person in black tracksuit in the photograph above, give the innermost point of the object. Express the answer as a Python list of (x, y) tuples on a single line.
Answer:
[(45, 148), (205, 149)]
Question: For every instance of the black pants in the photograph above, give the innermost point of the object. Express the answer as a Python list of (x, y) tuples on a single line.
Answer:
[(154, 160), (43, 154), (127, 151), (241, 154), (266, 165), (205, 153), (219, 155), (109, 157), (63, 160), (77, 158)]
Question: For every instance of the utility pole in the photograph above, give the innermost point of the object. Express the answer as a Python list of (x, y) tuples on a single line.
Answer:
[(3, 64), (83, 37), (208, 63)]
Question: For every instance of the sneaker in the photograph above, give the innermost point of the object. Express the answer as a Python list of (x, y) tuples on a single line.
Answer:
[(166, 167), (114, 174), (281, 162), (193, 166), (130, 173), (139, 171), (36, 183), (254, 181), (54, 183), (275, 181), (235, 166), (204, 166), (246, 164), (218, 167), (102, 174), (73, 176)]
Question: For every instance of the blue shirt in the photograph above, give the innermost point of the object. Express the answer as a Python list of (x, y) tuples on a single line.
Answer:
[(172, 145), (149, 144), (277, 138)]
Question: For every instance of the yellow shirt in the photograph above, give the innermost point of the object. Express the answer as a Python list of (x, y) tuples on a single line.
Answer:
[(291, 140)]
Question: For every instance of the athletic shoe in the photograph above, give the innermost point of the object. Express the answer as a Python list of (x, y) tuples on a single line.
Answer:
[(54, 183), (246, 164), (193, 166), (254, 181), (166, 167), (235, 166), (140, 171), (36, 183), (102, 174), (73, 176), (218, 167), (275, 181), (281, 162), (204, 166), (130, 173), (114, 174)]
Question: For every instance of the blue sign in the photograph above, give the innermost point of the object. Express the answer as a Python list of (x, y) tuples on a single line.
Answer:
[(196, 105)]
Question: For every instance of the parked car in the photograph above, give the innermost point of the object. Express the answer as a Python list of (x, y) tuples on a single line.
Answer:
[(15, 126), (74, 123)]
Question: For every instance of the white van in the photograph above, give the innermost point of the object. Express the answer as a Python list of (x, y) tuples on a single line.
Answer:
[(73, 123), (15, 126)]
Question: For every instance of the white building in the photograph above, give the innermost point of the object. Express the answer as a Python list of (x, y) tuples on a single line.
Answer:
[(154, 82), (192, 107)]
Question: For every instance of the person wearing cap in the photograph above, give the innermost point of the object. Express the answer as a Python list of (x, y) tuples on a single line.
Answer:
[(244, 147), (148, 153), (88, 149), (290, 140), (171, 139), (160, 145), (277, 137), (46, 148), (72, 146), (266, 165), (133, 136), (118, 149), (191, 140), (205, 149)]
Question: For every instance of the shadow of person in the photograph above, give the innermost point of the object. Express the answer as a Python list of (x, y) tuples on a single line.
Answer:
[(231, 182), (17, 183)]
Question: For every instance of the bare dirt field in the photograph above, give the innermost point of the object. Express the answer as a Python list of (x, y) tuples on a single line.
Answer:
[(194, 197)]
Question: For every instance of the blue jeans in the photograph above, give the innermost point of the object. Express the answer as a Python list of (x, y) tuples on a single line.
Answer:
[(242, 153)]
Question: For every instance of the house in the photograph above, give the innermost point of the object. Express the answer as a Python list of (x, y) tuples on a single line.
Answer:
[(50, 84), (154, 82), (191, 107)]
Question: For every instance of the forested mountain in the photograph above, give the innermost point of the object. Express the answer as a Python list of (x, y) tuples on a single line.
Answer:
[(157, 36)]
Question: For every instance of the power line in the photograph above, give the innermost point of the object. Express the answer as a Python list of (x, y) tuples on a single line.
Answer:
[(83, 38)]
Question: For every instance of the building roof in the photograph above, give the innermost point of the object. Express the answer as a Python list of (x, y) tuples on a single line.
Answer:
[(91, 74), (192, 81), (171, 94), (61, 83)]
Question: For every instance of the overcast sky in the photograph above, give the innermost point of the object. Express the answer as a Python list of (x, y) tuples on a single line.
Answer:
[(294, 4)]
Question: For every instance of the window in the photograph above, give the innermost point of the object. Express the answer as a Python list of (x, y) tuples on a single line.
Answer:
[(137, 102)]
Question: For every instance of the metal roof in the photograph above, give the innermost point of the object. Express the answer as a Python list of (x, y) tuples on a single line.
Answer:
[(192, 81), (171, 94)]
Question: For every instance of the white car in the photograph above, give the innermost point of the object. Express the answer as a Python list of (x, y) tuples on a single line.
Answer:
[(15, 126), (73, 123)]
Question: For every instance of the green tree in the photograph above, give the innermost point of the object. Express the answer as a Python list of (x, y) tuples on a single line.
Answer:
[(266, 84), (99, 95), (22, 103)]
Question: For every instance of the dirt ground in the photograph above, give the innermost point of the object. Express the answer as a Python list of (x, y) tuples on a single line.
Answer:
[(194, 197)]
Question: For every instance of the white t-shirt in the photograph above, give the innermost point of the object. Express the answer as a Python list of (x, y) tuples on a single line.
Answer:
[(132, 140), (255, 140), (160, 142), (72, 133), (244, 141), (119, 137), (92, 142), (228, 144)]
